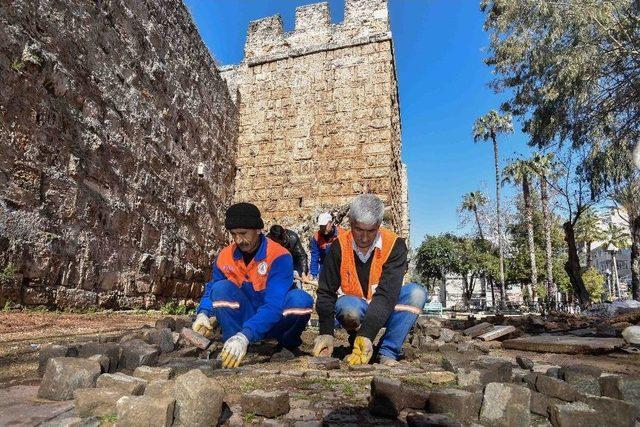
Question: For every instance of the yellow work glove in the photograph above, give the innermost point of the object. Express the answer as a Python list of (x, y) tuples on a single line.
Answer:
[(362, 351), (323, 345), (204, 326), (234, 350)]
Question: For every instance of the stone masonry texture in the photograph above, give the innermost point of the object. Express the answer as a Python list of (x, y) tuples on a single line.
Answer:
[(319, 114), (117, 151)]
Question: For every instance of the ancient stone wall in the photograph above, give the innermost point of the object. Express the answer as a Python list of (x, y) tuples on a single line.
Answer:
[(117, 153), (319, 114)]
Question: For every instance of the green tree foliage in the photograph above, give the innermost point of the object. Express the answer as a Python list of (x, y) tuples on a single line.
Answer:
[(594, 281), (588, 230), (572, 67), (472, 202)]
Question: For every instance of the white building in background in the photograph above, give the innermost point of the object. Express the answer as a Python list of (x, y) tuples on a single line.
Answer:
[(601, 258), (482, 298)]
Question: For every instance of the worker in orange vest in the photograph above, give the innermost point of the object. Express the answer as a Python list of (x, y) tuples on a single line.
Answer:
[(321, 242), (251, 293), (361, 286)]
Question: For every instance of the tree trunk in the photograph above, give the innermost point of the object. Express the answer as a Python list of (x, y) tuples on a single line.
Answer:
[(546, 216), (503, 295), (493, 295), (635, 257), (616, 279), (589, 259), (528, 211), (572, 266), (475, 212)]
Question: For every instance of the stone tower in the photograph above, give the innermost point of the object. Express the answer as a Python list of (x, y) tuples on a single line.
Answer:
[(319, 114)]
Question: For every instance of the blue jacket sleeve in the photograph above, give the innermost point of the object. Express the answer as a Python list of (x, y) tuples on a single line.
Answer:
[(278, 284), (205, 305), (315, 257)]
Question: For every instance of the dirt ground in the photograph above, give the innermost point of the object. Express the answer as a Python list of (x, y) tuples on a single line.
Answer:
[(23, 332)]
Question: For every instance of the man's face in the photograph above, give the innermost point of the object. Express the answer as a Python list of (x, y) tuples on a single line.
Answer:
[(247, 239), (326, 229), (364, 234)]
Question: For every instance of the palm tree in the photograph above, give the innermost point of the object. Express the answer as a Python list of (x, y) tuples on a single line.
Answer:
[(472, 201), (545, 167), (617, 238), (487, 128), (519, 172), (588, 230)]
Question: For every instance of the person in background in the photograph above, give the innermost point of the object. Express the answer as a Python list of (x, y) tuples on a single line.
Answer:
[(321, 241), (290, 240)]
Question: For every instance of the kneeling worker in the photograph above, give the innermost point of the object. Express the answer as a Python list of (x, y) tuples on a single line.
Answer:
[(361, 286), (251, 293)]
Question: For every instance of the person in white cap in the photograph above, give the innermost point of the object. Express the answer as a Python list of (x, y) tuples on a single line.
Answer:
[(321, 241)]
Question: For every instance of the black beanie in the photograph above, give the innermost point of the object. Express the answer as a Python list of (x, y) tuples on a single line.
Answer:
[(243, 215)]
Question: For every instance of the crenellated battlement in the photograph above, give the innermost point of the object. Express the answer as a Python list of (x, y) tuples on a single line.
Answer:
[(364, 20)]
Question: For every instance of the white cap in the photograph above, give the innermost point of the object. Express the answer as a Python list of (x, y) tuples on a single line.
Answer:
[(324, 218)]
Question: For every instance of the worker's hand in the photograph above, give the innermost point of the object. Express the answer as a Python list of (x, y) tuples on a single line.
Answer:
[(203, 325), (234, 350), (323, 345), (362, 351)]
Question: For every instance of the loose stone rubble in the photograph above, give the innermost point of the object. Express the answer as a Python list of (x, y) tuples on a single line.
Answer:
[(449, 377)]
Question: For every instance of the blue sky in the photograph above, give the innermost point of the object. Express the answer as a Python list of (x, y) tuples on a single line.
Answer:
[(443, 89)]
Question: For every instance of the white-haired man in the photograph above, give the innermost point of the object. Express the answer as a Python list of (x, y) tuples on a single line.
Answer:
[(361, 286)]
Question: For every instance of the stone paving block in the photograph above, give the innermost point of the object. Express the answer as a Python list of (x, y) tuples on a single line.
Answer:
[(556, 388), (463, 405), (162, 338), (505, 405), (493, 369), (50, 351), (525, 362), (64, 375), (446, 335), (497, 332), (189, 351), (283, 355), (19, 406), (470, 379), (136, 353), (183, 321), (478, 329), (145, 411), (583, 378), (440, 377), (195, 338), (190, 390), (166, 322), (268, 404), (415, 398), (152, 373), (103, 360), (96, 402), (621, 387), (415, 419), (323, 363), (127, 384), (387, 397), (109, 349), (159, 388), (612, 411), (564, 344), (540, 404), (577, 414)]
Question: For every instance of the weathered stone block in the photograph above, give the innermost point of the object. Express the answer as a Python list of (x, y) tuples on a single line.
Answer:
[(446, 335), (162, 338), (159, 388), (267, 404), (96, 402), (387, 397), (103, 360), (575, 414), (136, 353), (109, 349), (612, 412), (430, 420), (541, 403), (53, 350), (194, 338), (64, 375), (191, 389), (524, 362), (150, 373), (323, 363), (585, 379), (145, 411), (505, 405), (464, 406), (415, 398), (556, 388), (166, 322), (124, 383)]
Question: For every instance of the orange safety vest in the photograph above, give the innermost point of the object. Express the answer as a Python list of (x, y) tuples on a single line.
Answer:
[(323, 242), (258, 269), (349, 281)]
